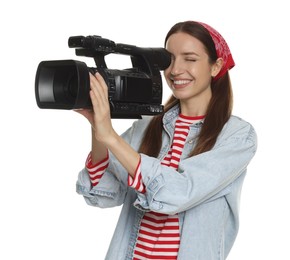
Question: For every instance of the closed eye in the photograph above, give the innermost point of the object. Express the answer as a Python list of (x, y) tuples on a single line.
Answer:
[(193, 60)]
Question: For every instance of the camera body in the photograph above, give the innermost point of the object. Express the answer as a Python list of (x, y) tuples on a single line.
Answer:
[(133, 92)]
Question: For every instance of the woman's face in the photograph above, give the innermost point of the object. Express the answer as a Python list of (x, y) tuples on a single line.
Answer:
[(189, 74)]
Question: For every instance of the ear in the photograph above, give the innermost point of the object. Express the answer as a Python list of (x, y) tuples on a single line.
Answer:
[(216, 68)]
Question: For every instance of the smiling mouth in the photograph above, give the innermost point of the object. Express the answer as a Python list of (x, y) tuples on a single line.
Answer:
[(176, 84)]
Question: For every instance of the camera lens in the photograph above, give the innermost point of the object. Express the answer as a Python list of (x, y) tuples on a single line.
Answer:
[(62, 84), (72, 86)]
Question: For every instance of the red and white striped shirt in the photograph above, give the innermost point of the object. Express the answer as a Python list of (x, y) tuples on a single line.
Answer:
[(96, 171), (158, 236)]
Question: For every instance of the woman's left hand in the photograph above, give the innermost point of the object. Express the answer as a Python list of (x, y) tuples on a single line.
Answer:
[(100, 101), (103, 130)]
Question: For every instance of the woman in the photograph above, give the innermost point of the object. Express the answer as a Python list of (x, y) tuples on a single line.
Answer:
[(178, 175)]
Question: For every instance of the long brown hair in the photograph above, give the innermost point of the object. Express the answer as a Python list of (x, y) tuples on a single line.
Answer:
[(219, 109)]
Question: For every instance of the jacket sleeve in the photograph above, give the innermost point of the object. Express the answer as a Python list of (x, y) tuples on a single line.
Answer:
[(199, 178), (112, 187)]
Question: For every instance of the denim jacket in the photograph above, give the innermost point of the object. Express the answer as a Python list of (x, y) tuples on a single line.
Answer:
[(204, 191)]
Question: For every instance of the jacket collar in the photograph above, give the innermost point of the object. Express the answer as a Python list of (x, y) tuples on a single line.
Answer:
[(172, 114)]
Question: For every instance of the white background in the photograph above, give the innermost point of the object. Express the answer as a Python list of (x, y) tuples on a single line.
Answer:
[(42, 151)]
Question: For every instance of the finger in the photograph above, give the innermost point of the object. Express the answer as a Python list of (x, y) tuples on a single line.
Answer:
[(100, 105), (99, 86), (82, 111), (103, 84), (95, 87), (95, 100), (87, 113), (99, 89)]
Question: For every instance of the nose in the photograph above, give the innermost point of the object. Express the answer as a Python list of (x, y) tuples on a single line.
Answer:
[(175, 68)]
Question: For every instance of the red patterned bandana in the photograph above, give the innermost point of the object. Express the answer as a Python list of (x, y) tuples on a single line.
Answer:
[(222, 49)]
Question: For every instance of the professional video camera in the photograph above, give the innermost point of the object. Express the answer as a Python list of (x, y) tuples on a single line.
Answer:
[(65, 84)]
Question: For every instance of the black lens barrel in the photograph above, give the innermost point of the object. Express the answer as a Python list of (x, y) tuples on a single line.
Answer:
[(62, 84)]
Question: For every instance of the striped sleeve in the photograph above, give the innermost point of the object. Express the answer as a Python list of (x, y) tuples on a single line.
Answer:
[(97, 170), (137, 182)]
